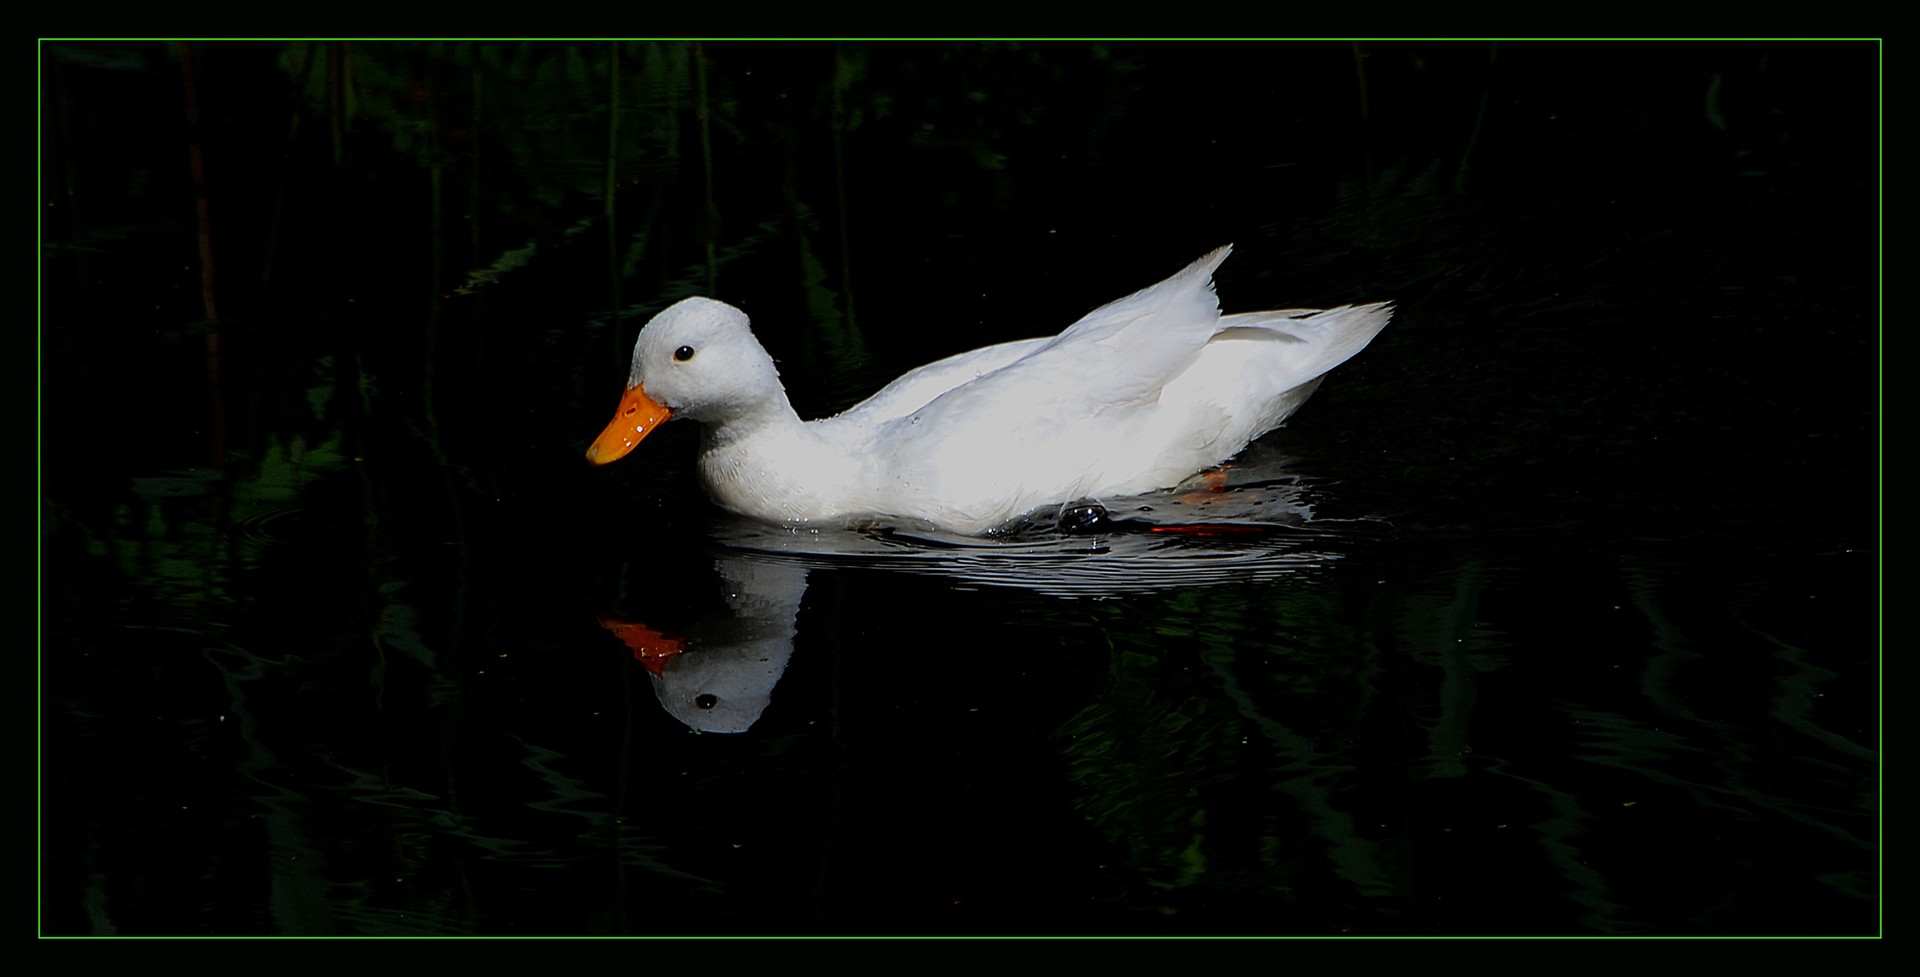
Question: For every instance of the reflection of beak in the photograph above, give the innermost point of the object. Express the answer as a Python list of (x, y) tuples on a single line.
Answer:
[(650, 648), (638, 415)]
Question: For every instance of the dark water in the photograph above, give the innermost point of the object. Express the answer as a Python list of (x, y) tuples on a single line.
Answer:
[(1555, 612)]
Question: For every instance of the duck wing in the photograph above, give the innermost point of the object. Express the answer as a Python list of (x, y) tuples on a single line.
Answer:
[(1044, 426), (1129, 347), (916, 388), (1124, 352)]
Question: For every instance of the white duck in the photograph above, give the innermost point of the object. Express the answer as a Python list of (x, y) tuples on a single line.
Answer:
[(1139, 394)]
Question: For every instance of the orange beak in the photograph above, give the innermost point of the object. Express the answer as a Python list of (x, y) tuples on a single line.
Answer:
[(638, 415)]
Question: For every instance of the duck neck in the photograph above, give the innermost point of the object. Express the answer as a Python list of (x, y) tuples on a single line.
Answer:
[(763, 417), (771, 465)]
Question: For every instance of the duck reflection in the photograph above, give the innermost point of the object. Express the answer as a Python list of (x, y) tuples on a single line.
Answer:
[(1250, 522)]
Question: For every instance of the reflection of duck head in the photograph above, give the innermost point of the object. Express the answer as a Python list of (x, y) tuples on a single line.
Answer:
[(720, 678), (1136, 396)]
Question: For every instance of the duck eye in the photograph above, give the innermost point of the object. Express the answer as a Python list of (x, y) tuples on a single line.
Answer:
[(683, 354)]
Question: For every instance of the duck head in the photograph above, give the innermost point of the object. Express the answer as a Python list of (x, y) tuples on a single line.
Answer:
[(696, 359)]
